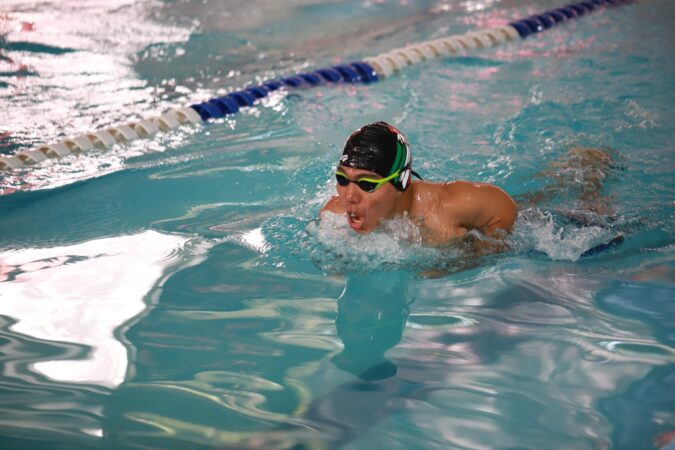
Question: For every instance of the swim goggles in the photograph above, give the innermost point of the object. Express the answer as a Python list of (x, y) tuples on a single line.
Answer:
[(365, 184)]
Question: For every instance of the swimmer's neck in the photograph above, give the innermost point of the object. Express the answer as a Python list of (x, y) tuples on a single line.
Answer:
[(403, 203)]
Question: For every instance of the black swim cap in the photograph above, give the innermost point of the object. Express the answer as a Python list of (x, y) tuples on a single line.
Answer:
[(380, 148)]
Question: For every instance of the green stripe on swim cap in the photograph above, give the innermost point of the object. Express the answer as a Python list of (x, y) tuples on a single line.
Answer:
[(404, 154), (399, 158)]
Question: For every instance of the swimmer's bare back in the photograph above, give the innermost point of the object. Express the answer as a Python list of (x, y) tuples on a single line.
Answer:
[(447, 211)]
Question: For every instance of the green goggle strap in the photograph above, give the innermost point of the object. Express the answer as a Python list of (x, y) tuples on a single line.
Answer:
[(377, 183)]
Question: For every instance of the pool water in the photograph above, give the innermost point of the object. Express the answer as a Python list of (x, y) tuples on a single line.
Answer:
[(180, 293)]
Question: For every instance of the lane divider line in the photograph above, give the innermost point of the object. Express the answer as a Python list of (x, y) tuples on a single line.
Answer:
[(369, 70)]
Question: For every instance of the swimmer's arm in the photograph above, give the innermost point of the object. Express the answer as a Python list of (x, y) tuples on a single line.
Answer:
[(487, 209)]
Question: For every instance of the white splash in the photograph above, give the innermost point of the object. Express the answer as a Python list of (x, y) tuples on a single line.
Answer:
[(396, 242), (562, 243)]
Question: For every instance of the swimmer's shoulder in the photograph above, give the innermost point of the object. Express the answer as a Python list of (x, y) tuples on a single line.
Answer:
[(426, 196), (429, 203), (472, 191), (439, 223), (445, 189), (437, 195), (477, 205)]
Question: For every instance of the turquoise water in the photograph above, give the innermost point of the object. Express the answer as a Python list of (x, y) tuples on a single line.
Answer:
[(179, 293)]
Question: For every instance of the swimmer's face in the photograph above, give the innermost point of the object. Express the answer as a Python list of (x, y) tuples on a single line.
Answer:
[(364, 209)]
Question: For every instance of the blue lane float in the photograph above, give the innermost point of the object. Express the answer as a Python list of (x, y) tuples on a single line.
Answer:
[(369, 70), (540, 22), (215, 108)]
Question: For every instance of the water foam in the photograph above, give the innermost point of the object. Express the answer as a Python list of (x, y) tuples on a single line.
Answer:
[(543, 231), (332, 246), (396, 244)]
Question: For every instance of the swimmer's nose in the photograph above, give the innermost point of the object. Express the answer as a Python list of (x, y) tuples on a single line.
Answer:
[(353, 193)]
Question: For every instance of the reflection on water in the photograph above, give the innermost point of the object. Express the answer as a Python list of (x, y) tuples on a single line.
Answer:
[(371, 319), (372, 313), (491, 354), (66, 68), (235, 356), (644, 411), (243, 350), (82, 295), (88, 80), (216, 358)]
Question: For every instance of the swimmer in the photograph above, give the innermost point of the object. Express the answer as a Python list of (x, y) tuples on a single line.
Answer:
[(374, 183)]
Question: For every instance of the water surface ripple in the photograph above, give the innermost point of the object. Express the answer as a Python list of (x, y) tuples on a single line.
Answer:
[(179, 292)]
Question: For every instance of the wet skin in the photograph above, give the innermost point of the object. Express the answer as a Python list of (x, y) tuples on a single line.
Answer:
[(443, 211)]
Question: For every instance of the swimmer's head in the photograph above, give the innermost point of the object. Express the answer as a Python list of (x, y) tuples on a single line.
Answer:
[(382, 149), (373, 175)]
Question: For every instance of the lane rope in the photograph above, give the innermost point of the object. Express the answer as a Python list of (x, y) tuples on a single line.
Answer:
[(369, 70)]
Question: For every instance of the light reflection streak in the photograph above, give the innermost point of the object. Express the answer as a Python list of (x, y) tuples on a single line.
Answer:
[(83, 294), (210, 435), (568, 365), (81, 54), (92, 60)]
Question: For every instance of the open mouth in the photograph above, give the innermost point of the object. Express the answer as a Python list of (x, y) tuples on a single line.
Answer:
[(356, 221)]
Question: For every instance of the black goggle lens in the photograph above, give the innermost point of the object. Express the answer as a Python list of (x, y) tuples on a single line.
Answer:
[(367, 186), (341, 179), (364, 185)]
